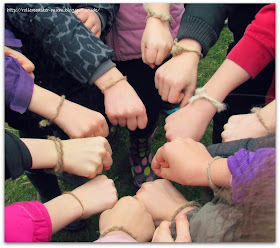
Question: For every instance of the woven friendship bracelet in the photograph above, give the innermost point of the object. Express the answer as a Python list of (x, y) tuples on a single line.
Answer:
[(178, 49), (257, 112), (188, 204), (200, 93), (83, 209), (59, 149), (117, 228), (46, 122), (113, 83), (211, 183), (162, 16)]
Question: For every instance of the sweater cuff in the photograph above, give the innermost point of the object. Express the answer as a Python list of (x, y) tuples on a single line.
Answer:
[(115, 238), (101, 69), (189, 29), (252, 58), (27, 222)]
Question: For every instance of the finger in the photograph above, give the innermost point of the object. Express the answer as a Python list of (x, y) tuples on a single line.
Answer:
[(122, 122), (165, 92), (98, 33), (97, 131), (183, 229), (132, 123), (82, 16), (163, 233), (105, 129), (174, 95), (157, 78), (95, 29), (113, 120), (99, 169), (143, 52), (142, 121), (159, 57), (150, 55), (108, 147), (107, 161), (185, 100)]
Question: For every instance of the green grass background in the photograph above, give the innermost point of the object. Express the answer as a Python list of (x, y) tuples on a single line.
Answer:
[(22, 190)]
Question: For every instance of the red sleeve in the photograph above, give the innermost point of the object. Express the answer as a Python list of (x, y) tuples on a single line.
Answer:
[(27, 222), (256, 49)]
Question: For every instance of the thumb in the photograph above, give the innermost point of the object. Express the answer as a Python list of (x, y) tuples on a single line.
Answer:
[(183, 229)]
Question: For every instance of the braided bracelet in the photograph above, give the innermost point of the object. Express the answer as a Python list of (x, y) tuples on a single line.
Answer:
[(211, 183), (257, 112), (83, 209), (188, 204), (200, 93), (46, 122), (177, 49), (113, 83), (59, 149), (117, 228), (162, 16)]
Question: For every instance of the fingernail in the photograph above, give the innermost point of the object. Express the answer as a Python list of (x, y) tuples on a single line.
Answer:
[(182, 216)]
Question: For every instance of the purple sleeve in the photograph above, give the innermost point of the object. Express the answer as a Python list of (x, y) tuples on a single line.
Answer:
[(244, 165), (27, 222), (115, 238), (18, 86)]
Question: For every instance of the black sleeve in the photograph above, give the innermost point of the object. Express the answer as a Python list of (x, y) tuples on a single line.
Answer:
[(227, 149), (17, 156), (204, 23)]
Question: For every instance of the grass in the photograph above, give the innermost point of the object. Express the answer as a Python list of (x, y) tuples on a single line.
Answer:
[(22, 190)]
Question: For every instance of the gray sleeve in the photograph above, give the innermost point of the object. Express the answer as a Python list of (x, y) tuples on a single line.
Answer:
[(101, 69)]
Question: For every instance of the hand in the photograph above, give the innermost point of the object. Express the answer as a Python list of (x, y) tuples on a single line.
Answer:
[(177, 75), (86, 157), (190, 121), (124, 107), (131, 215), (161, 199), (27, 65), (242, 127), (156, 42), (90, 19), (163, 233), (79, 122), (97, 195), (183, 161)]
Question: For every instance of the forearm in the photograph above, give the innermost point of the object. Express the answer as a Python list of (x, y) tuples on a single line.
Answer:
[(228, 77), (59, 217), (43, 153), (44, 102)]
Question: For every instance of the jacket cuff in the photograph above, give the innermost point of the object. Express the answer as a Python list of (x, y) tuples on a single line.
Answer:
[(206, 35), (101, 69)]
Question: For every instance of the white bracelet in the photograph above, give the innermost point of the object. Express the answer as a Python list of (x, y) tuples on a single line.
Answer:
[(200, 93)]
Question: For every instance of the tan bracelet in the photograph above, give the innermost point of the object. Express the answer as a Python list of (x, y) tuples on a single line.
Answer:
[(257, 112), (178, 49), (162, 16), (211, 183), (188, 204), (83, 209), (113, 83), (46, 122), (200, 93), (117, 228), (59, 149)]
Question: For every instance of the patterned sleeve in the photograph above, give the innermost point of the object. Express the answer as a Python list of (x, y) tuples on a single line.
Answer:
[(69, 42)]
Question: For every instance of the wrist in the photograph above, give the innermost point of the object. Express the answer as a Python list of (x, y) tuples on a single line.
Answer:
[(269, 118), (117, 232), (110, 76), (220, 173), (153, 21)]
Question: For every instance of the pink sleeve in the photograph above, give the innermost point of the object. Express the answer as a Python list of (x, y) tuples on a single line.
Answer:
[(256, 49), (115, 238), (27, 222)]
